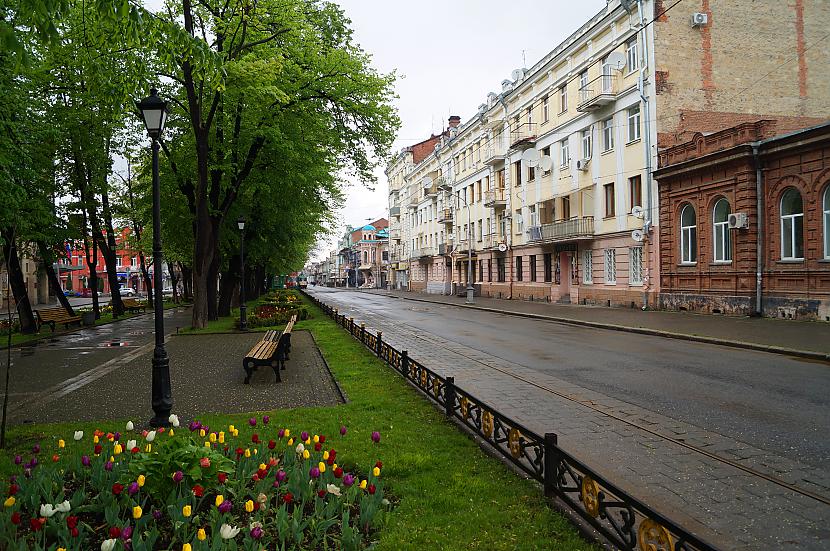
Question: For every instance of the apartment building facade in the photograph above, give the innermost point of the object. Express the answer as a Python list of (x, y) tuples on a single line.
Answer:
[(550, 184)]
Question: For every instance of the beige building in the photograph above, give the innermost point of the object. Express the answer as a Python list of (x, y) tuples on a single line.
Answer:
[(549, 184)]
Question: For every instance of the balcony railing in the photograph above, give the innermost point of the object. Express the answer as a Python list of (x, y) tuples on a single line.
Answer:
[(495, 197), (523, 136), (495, 151), (446, 216), (395, 234), (598, 92), (394, 211), (566, 230), (424, 252)]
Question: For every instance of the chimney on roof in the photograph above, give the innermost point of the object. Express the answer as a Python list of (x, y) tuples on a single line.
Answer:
[(454, 121)]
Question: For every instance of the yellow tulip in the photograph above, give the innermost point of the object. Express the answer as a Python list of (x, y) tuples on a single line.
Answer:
[(249, 506), (287, 433), (221, 437), (207, 444), (201, 535), (334, 467), (186, 547), (376, 471), (325, 456), (148, 448), (256, 451), (202, 433), (362, 484), (290, 441), (219, 499), (116, 450), (112, 459), (262, 466), (316, 438), (141, 479), (236, 432), (306, 455), (95, 439), (137, 512), (321, 466), (231, 428), (61, 549), (212, 437), (9, 501), (171, 432), (61, 444), (186, 510), (247, 452), (308, 441)]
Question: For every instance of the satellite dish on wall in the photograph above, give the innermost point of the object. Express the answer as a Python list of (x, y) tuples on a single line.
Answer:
[(531, 156), (502, 248), (426, 182), (616, 60), (637, 211), (545, 162), (637, 235)]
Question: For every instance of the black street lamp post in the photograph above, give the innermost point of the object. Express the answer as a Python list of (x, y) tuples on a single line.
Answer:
[(154, 114), (243, 317)]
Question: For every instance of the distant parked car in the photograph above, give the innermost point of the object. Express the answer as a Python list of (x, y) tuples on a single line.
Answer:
[(167, 292), (126, 292), (303, 284)]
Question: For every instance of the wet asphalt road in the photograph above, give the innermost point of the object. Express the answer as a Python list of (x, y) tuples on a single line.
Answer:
[(772, 402)]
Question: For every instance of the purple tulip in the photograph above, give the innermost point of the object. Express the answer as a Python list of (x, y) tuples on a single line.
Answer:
[(281, 433), (281, 475), (13, 479), (194, 426), (18, 460), (375, 437), (343, 430), (256, 532), (226, 506), (276, 484), (266, 419), (314, 472), (126, 532), (108, 466), (304, 436), (252, 421), (33, 462), (178, 476), (85, 461), (116, 436), (348, 480), (36, 448), (27, 472), (132, 489), (156, 514)]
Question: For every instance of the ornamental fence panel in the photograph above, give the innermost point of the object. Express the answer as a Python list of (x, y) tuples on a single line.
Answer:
[(623, 519)]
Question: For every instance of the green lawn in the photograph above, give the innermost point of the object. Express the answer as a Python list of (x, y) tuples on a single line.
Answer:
[(449, 493)]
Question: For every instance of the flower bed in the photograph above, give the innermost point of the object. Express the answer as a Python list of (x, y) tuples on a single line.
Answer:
[(201, 490)]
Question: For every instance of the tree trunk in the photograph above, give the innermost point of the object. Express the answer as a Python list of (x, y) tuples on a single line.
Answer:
[(187, 281), (108, 248), (260, 278), (17, 283), (174, 282), (148, 282), (47, 258), (230, 280), (92, 263)]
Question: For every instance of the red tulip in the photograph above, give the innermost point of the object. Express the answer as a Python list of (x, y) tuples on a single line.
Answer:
[(379, 465), (322, 439), (338, 472), (13, 488), (16, 517), (115, 532), (72, 521), (287, 498), (56, 458), (271, 444), (98, 449), (318, 446), (37, 524), (255, 438), (135, 450), (372, 489), (117, 488), (198, 491), (321, 493)]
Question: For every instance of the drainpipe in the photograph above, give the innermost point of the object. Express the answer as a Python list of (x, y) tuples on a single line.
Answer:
[(509, 207), (759, 245), (647, 143)]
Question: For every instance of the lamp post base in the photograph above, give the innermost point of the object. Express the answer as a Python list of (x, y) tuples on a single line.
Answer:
[(162, 397), (470, 292)]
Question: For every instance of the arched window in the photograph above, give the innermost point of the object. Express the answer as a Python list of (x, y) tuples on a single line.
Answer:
[(826, 209), (722, 236), (688, 235), (792, 226)]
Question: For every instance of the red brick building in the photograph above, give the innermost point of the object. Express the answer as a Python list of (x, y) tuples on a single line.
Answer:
[(711, 232)]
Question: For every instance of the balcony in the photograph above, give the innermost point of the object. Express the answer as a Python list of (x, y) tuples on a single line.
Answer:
[(424, 253), (566, 230), (495, 197), (394, 211), (493, 241), (395, 235), (446, 216), (598, 93), (523, 136), (495, 151)]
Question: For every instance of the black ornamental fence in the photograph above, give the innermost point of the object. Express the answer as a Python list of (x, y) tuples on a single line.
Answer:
[(626, 521)]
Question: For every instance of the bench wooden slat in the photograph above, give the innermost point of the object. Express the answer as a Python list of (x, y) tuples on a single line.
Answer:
[(54, 316), (272, 349)]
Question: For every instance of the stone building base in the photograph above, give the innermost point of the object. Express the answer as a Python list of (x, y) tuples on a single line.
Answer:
[(782, 307)]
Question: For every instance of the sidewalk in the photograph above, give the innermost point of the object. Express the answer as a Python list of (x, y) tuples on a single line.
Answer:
[(797, 338)]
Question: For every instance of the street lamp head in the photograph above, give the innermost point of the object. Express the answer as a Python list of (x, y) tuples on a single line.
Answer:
[(240, 222), (154, 113)]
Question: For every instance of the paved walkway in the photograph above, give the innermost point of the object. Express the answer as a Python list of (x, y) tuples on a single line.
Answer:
[(696, 476), (802, 338)]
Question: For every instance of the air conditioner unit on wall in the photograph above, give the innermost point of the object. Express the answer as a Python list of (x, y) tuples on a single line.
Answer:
[(582, 164), (738, 220), (699, 19)]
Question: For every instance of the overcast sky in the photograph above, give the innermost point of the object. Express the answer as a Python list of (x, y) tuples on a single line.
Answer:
[(448, 54)]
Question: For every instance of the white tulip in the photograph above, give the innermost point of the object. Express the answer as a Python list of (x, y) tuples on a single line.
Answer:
[(130, 425), (300, 448), (130, 444), (151, 436), (64, 507), (46, 510), (174, 420), (79, 434), (332, 489), (108, 545), (228, 532)]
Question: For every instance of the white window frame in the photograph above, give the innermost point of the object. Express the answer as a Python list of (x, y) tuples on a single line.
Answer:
[(564, 153), (563, 98), (583, 79), (588, 266), (721, 235), (634, 123), (826, 213), (635, 266), (632, 62), (118, 263), (587, 143), (531, 212), (688, 236), (608, 134), (610, 266), (791, 218), (545, 109)]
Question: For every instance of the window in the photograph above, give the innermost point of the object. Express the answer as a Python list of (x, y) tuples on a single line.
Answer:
[(631, 54), (548, 262), (588, 266), (500, 269), (563, 98), (518, 268), (610, 266), (566, 208), (583, 80), (608, 134), (531, 173), (635, 265), (546, 153), (489, 270), (529, 112), (532, 219), (480, 230), (565, 156), (826, 209), (586, 143), (519, 221), (481, 270), (792, 226), (609, 200), (134, 261), (634, 124), (688, 235), (635, 191), (722, 236), (545, 109), (118, 263), (517, 166)]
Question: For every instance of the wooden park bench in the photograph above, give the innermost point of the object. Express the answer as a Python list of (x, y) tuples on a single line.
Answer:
[(54, 316), (272, 350), (133, 305)]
